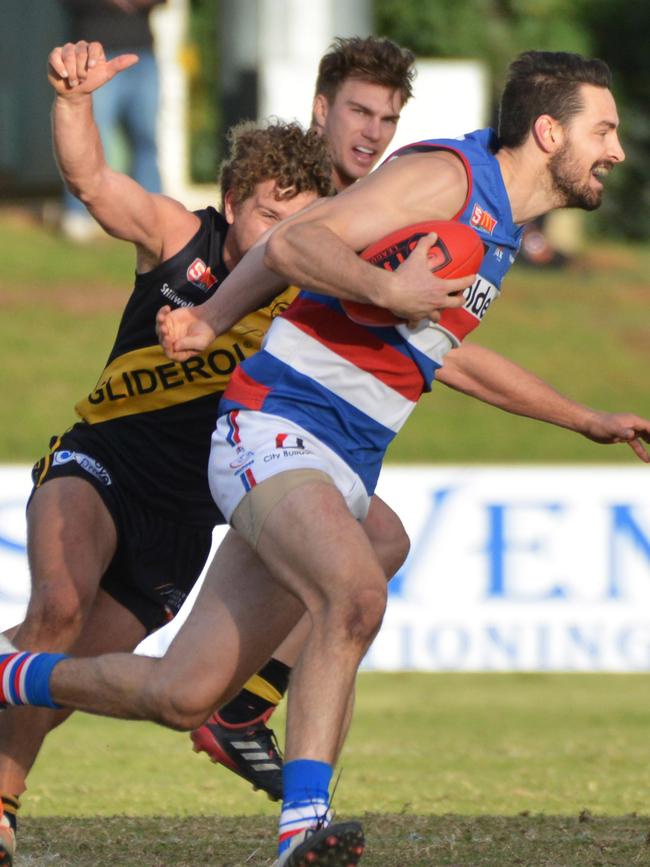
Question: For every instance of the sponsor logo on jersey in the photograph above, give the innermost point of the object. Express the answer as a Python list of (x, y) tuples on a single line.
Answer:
[(200, 275), (481, 219), (169, 293), (125, 383), (90, 465), (288, 441), (479, 297), (289, 446), (244, 459)]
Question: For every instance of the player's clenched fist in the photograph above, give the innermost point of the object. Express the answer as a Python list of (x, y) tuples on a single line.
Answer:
[(81, 67), (182, 333)]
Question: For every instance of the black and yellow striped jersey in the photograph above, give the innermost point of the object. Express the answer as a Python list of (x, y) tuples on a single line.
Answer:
[(152, 418)]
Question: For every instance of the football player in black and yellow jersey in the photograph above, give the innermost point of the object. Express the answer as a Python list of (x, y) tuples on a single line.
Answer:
[(120, 519)]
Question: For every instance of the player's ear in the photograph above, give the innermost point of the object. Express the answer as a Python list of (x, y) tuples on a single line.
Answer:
[(548, 133), (319, 111), (229, 207)]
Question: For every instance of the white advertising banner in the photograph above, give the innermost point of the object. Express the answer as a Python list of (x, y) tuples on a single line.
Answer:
[(511, 568)]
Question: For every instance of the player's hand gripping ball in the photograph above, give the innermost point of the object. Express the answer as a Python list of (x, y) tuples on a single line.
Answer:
[(457, 252)]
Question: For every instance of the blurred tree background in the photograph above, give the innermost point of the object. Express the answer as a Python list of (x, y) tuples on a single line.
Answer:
[(203, 70), (620, 33), (494, 31)]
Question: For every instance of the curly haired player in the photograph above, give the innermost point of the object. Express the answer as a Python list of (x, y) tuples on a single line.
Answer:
[(120, 519)]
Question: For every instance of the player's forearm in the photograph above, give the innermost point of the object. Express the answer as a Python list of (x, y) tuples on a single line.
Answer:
[(249, 287), (262, 274), (77, 145), (312, 256), (493, 379)]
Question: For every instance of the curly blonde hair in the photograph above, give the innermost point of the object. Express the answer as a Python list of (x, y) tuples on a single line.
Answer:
[(297, 160)]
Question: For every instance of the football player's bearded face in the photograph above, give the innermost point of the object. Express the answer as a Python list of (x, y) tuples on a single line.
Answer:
[(590, 150)]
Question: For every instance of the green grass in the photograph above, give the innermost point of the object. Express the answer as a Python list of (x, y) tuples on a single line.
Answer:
[(468, 744), (462, 769), (392, 841), (583, 329), (59, 309)]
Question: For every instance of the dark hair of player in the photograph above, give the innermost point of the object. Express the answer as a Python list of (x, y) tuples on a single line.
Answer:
[(297, 160), (545, 82), (373, 59)]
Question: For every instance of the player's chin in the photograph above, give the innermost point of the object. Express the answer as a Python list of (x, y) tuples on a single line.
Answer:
[(591, 199), (594, 194), (359, 168)]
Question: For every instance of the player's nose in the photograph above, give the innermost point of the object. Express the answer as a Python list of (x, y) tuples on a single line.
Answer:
[(372, 128), (617, 153)]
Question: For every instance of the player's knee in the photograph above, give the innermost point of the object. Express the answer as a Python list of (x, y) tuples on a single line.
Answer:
[(178, 717), (175, 714), (53, 620), (359, 614), (179, 704)]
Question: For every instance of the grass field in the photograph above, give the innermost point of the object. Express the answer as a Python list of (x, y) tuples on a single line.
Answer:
[(584, 329), (444, 769)]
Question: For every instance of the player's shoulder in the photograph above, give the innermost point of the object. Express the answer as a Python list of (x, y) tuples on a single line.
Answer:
[(177, 225), (430, 176), (426, 163)]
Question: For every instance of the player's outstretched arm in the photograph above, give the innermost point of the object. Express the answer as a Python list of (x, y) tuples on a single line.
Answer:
[(121, 206), (490, 377)]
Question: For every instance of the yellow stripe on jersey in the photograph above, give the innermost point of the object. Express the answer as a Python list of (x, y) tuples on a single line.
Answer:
[(10, 803), (44, 463), (262, 688), (145, 379)]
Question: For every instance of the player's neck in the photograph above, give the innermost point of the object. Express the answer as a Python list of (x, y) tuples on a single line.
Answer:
[(340, 180), (231, 252), (526, 180)]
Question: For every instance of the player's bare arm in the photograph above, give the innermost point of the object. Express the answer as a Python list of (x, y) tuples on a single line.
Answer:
[(317, 249), (488, 376), (159, 226)]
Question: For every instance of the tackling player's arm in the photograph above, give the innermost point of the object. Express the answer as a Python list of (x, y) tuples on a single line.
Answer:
[(317, 249), (481, 373), (157, 225)]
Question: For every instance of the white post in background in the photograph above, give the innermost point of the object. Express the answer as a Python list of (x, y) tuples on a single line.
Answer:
[(293, 35), (270, 46), (450, 97), (169, 26), (270, 53)]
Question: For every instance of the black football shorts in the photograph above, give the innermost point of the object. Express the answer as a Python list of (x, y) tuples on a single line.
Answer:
[(158, 560)]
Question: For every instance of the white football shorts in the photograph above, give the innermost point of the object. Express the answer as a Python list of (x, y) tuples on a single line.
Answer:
[(249, 447)]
